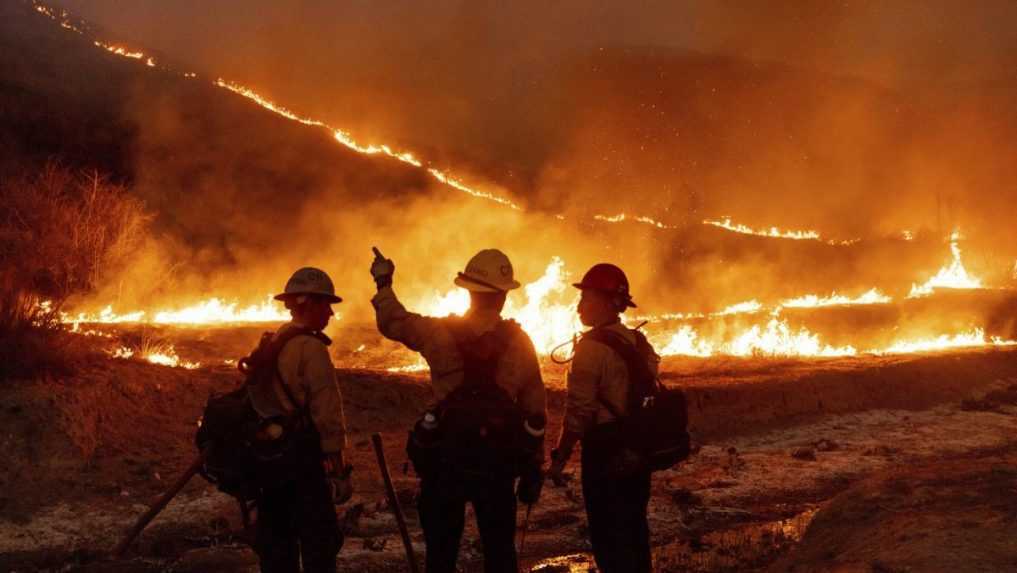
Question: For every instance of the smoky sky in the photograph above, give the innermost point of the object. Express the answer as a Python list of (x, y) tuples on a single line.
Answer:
[(790, 113), (301, 41)]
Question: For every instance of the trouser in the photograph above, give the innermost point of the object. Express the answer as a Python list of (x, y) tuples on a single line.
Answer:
[(297, 523), (442, 508), (616, 514)]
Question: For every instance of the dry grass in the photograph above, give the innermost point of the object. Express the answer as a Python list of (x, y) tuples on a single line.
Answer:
[(61, 234)]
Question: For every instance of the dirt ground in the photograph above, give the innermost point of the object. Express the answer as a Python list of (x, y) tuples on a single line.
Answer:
[(867, 464)]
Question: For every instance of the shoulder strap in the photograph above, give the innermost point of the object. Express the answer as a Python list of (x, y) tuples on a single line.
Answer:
[(635, 363), (482, 353), (277, 345)]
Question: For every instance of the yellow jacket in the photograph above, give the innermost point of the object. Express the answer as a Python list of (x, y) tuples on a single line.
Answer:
[(518, 371), (306, 368), (597, 372)]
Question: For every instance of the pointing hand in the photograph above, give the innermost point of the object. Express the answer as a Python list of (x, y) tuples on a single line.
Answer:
[(382, 269)]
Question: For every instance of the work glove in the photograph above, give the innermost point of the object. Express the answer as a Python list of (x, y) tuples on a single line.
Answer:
[(382, 269), (341, 486), (531, 482), (338, 476), (557, 470)]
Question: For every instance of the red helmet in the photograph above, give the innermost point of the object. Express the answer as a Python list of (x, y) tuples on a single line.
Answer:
[(607, 278)]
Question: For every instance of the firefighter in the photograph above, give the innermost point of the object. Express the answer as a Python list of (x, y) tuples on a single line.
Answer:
[(484, 371), (296, 519), (615, 491)]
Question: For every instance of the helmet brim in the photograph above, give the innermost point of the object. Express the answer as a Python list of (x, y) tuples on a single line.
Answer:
[(331, 298), (475, 285), (581, 286)]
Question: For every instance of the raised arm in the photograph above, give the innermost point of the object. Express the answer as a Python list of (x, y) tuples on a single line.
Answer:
[(394, 321)]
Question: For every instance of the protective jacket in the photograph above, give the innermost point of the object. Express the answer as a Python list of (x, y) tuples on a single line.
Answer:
[(518, 371), (598, 374), (306, 368)]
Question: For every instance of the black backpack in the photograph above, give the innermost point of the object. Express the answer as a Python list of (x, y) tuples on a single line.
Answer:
[(244, 452), (480, 426), (656, 426)]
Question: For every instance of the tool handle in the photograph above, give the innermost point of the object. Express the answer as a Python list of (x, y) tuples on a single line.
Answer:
[(393, 502), (159, 505)]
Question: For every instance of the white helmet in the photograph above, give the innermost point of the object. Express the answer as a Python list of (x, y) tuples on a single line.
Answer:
[(488, 271), (309, 281)]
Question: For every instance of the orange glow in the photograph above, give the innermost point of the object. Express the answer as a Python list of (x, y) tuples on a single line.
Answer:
[(548, 314)]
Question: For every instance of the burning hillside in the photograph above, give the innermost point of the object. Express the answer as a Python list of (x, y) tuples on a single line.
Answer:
[(765, 325), (821, 259)]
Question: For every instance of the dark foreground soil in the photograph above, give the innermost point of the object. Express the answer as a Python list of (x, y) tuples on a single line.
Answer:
[(84, 455)]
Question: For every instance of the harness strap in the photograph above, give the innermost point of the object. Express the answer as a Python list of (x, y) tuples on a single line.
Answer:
[(303, 410), (634, 363)]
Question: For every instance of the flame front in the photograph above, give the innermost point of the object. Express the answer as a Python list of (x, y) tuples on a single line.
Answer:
[(952, 275), (873, 296), (211, 311), (164, 355)]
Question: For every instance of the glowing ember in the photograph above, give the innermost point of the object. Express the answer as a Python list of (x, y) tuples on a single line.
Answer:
[(873, 296), (419, 366), (953, 275), (725, 223), (163, 355)]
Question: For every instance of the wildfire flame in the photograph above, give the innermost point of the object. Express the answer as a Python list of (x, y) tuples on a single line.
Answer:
[(548, 313), (345, 139), (873, 296), (164, 355), (211, 311), (725, 223), (622, 217), (952, 275), (974, 337)]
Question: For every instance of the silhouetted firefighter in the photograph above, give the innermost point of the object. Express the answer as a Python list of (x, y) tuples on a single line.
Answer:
[(629, 424), (279, 439), (487, 425)]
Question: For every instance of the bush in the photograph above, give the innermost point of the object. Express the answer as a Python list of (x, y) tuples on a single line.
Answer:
[(61, 234)]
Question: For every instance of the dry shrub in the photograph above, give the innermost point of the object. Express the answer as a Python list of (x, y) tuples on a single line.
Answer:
[(61, 234)]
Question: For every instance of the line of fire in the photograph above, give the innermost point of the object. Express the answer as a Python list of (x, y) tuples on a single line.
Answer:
[(811, 205)]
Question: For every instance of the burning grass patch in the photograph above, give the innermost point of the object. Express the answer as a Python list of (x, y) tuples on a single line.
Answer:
[(61, 234)]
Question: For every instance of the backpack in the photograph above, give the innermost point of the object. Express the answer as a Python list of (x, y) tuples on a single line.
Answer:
[(656, 425), (480, 426), (245, 452)]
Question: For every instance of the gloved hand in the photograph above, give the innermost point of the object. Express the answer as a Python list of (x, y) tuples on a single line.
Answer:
[(557, 470), (382, 269), (341, 486), (338, 476), (531, 482)]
